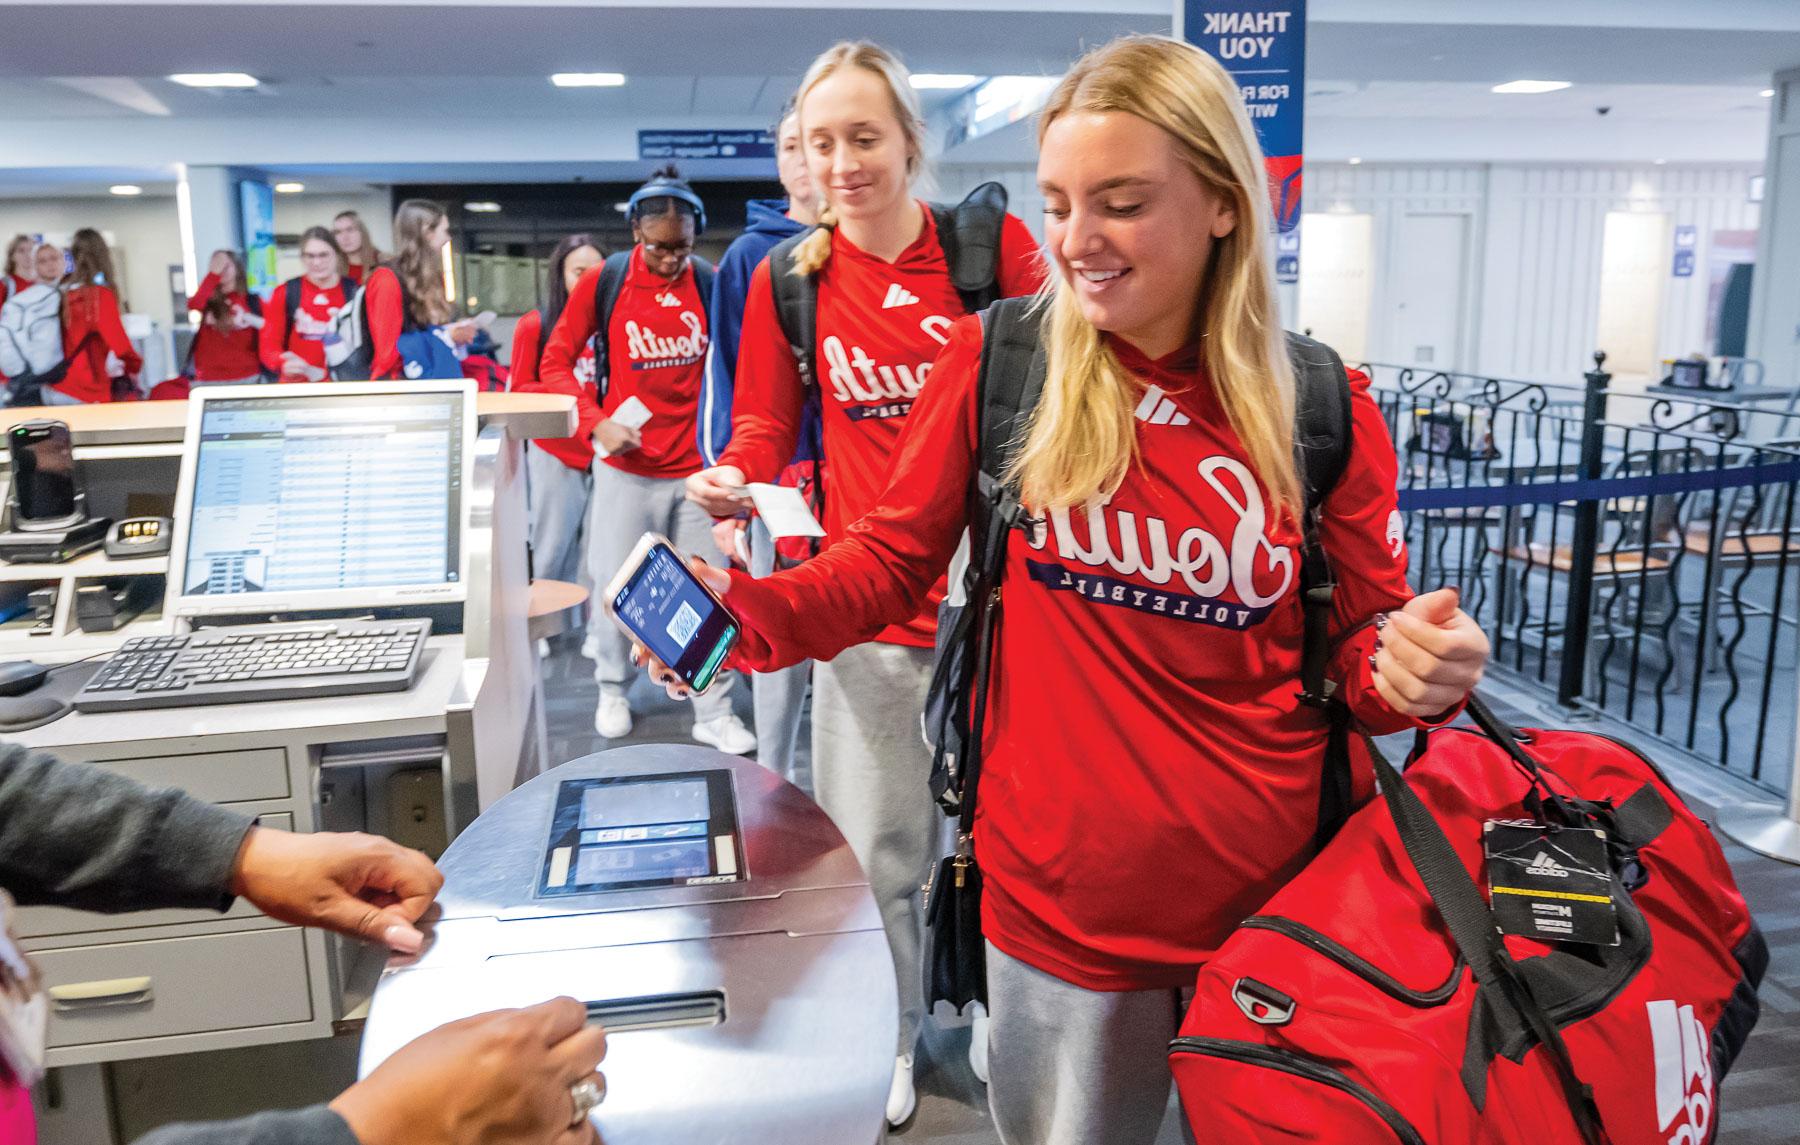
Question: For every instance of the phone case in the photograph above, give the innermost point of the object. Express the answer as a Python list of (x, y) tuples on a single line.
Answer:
[(639, 553)]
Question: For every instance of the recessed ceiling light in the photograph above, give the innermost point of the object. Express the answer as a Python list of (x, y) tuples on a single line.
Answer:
[(214, 79), (482, 207), (289, 188), (942, 81), (1659, 162), (588, 79), (1355, 162), (1530, 87), (1767, 93), (126, 189)]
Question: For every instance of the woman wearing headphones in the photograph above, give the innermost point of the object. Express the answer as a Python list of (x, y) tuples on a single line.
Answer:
[(655, 334), (559, 471), (885, 303), (1150, 774)]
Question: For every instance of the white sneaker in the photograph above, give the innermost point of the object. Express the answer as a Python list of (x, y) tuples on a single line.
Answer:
[(902, 1099), (612, 718), (978, 1042), (727, 733)]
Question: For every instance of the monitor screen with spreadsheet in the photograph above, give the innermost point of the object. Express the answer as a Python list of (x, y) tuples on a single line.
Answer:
[(323, 496)]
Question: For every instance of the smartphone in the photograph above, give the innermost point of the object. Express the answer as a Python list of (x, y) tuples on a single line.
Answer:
[(43, 476), (661, 604)]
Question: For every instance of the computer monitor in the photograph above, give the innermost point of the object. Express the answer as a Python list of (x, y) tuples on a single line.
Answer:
[(315, 497)]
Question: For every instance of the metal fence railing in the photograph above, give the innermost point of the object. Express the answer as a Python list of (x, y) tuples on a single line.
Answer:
[(1633, 553)]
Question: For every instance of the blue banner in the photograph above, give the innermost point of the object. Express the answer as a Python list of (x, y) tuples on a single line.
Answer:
[(256, 202), (737, 144), (1262, 43)]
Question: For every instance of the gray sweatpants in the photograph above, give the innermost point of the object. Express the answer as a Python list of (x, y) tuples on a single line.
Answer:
[(779, 696), (559, 507), (871, 773), (624, 507), (1070, 1066)]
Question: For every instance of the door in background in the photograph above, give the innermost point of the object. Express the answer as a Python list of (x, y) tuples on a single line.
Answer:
[(1634, 262), (1335, 280), (1431, 254)]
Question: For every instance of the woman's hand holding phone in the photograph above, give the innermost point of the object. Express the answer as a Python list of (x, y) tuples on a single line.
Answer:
[(613, 438), (718, 581)]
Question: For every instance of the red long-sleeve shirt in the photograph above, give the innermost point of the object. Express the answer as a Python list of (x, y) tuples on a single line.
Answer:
[(1150, 774), (384, 302), (576, 452), (221, 356), (880, 324), (318, 304), (92, 328), (655, 349)]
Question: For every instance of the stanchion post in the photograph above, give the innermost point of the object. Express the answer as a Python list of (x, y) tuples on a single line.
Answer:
[(1585, 545)]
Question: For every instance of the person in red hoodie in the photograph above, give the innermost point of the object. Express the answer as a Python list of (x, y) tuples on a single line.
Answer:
[(225, 342), (405, 295), (94, 338), (885, 305), (656, 346), (1150, 775), (360, 253), (558, 472), (295, 352)]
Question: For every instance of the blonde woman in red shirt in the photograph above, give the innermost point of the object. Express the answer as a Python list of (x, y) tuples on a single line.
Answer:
[(94, 338), (886, 302), (20, 272), (1150, 774)]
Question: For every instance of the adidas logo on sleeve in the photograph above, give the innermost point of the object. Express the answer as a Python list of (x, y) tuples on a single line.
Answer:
[(898, 296), (1158, 409)]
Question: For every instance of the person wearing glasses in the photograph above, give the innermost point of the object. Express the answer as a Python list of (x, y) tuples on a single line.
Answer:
[(655, 338), (301, 311)]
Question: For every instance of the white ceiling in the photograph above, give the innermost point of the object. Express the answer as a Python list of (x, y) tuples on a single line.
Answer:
[(359, 90)]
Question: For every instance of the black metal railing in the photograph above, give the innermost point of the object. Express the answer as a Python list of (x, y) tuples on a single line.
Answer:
[(1636, 553)]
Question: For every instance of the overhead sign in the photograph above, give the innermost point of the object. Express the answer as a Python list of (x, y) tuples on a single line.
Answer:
[(1262, 43), (739, 144), (1687, 238)]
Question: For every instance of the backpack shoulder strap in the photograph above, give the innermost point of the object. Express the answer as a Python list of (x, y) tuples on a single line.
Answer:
[(606, 298), (796, 305), (969, 233), (1321, 452), (704, 273), (1008, 386), (290, 302)]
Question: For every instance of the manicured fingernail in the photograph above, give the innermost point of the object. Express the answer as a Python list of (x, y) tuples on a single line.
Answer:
[(404, 939), (1456, 594), (1381, 621), (1378, 644), (1374, 667)]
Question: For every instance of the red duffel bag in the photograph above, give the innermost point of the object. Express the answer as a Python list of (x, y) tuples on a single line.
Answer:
[(1373, 999)]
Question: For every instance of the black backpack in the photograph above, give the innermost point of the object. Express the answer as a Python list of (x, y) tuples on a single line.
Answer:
[(1009, 385), (606, 297)]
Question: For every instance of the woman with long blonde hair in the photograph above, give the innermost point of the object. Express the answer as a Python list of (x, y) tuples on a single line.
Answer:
[(360, 252), (100, 353), (406, 299), (1150, 772), (885, 300)]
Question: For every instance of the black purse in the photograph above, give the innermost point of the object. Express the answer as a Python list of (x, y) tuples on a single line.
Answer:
[(956, 952)]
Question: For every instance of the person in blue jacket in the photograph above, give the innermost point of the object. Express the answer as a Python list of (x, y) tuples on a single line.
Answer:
[(779, 696)]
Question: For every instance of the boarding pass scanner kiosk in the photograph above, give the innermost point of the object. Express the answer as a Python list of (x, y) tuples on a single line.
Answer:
[(712, 919)]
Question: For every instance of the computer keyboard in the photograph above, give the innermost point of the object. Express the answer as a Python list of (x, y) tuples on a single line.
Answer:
[(254, 663)]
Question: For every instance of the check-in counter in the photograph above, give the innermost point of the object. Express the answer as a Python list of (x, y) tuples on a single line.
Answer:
[(706, 912), (416, 765)]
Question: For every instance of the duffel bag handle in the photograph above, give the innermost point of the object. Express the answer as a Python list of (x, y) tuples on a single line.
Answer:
[(1471, 926), (1570, 811)]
